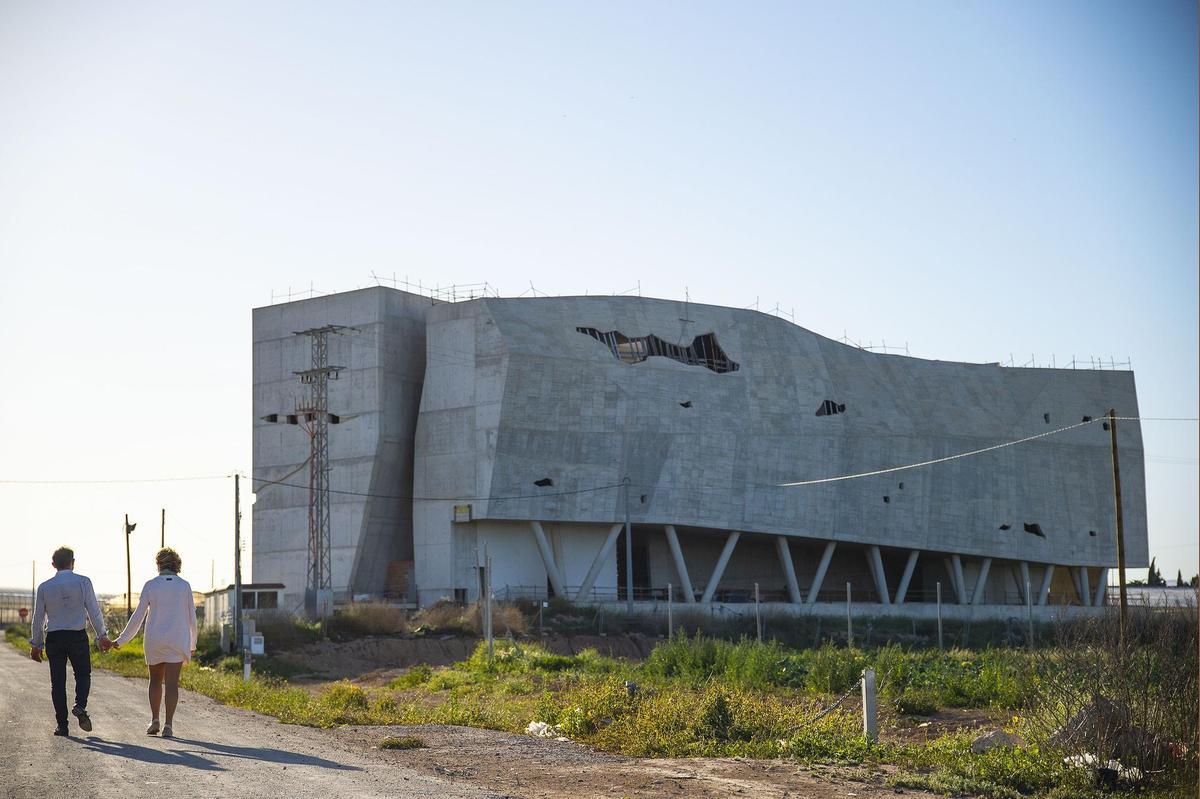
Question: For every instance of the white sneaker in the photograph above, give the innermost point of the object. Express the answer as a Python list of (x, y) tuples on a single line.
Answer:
[(153, 728), (167, 732)]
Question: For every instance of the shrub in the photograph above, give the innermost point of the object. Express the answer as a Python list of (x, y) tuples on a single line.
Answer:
[(833, 670), (208, 646), (510, 657), (699, 659), (346, 700), (916, 702), (414, 677), (367, 618), (1133, 699)]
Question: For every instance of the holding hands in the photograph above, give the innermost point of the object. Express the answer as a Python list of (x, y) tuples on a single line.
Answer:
[(106, 644)]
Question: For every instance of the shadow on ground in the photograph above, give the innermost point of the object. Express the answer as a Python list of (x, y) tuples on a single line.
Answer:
[(202, 754)]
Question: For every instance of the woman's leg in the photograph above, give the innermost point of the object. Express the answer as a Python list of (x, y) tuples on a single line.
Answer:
[(156, 686), (172, 679)]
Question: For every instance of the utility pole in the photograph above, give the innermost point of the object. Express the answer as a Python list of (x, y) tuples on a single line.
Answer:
[(628, 552), (1116, 468), (237, 563), (318, 594), (162, 542), (128, 571)]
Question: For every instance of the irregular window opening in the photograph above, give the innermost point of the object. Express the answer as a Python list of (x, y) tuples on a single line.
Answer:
[(887, 498), (643, 499), (686, 404), (901, 486), (1035, 529), (1086, 419), (1106, 425), (829, 408), (1046, 416), (1092, 533), (703, 351), (1006, 527), (545, 482)]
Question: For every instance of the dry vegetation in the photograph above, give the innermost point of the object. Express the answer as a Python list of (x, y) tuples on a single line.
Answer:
[(1082, 695)]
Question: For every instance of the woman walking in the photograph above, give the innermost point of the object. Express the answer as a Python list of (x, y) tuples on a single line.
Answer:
[(169, 612)]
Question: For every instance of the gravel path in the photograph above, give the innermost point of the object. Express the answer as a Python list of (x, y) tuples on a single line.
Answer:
[(218, 751)]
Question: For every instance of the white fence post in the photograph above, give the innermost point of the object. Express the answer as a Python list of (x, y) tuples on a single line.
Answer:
[(870, 726)]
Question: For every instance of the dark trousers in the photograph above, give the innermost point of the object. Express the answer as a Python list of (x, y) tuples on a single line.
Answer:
[(61, 646)]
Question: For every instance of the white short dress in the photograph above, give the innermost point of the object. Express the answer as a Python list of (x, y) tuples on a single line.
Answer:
[(169, 612)]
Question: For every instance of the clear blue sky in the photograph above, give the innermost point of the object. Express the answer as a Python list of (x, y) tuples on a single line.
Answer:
[(975, 179)]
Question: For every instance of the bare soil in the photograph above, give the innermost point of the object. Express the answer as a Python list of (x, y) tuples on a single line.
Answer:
[(922, 729), (537, 768)]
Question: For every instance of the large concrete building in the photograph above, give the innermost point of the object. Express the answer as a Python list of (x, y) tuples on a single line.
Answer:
[(526, 428)]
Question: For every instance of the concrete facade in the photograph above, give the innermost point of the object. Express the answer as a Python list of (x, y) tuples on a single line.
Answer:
[(377, 396), (532, 413)]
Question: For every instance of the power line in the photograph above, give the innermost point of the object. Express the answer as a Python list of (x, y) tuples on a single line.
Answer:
[(993, 448), (119, 480)]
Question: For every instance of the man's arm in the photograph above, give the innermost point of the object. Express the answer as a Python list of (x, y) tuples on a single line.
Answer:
[(93, 611), (38, 631)]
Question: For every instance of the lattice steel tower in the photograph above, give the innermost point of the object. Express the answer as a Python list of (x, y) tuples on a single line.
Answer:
[(318, 594)]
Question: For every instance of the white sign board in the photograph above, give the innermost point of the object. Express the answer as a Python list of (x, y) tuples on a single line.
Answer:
[(258, 644)]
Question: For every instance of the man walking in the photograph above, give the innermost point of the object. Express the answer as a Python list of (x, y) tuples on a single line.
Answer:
[(60, 613)]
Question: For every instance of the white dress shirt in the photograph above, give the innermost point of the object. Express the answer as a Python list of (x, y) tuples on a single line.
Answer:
[(169, 611), (65, 602)]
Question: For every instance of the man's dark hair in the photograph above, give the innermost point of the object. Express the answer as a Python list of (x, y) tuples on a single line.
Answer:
[(63, 557)]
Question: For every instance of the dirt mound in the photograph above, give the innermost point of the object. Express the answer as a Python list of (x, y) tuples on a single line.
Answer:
[(379, 659)]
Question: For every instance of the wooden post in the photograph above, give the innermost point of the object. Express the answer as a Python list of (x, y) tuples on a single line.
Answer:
[(1116, 468), (162, 539)]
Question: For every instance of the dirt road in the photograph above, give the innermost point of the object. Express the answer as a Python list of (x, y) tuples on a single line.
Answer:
[(218, 751)]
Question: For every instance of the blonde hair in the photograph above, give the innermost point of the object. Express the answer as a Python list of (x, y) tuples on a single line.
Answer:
[(168, 560)]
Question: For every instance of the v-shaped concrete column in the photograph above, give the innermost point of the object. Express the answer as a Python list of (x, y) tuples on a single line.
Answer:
[(822, 567), (719, 569), (598, 563), (1047, 576), (981, 583), (789, 568), (960, 583), (1101, 589), (539, 535), (907, 577), (685, 582), (1085, 589), (875, 561)]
